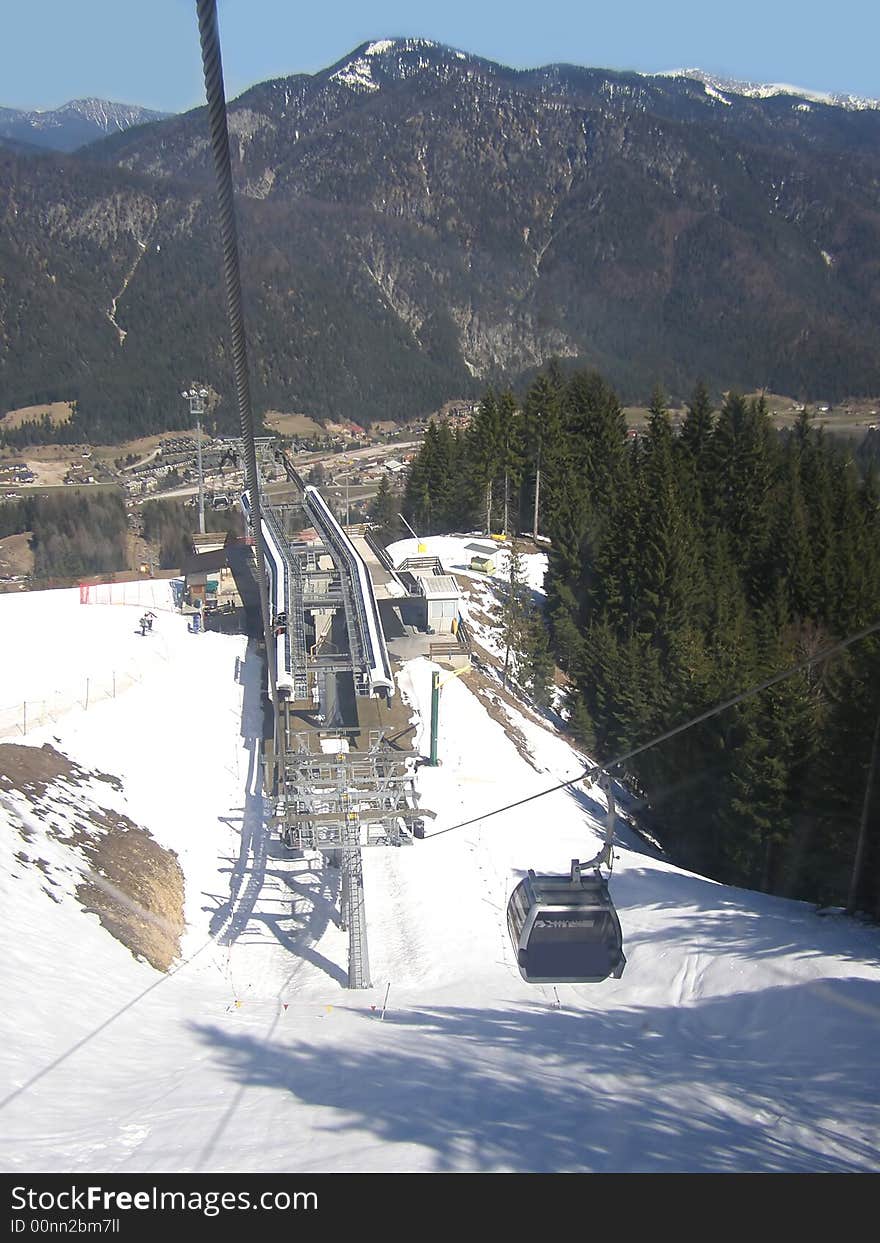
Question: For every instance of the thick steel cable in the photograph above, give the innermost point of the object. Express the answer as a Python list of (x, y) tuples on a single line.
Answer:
[(593, 770), (219, 132)]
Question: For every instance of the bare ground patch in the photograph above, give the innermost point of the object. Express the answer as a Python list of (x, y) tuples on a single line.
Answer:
[(33, 769), (494, 698), (16, 555), (134, 885), (292, 424), (136, 889), (58, 412)]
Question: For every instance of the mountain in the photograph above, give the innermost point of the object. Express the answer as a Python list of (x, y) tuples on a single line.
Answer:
[(73, 125), (416, 222), (763, 90)]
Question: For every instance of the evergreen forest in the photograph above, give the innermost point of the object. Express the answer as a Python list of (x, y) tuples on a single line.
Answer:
[(72, 533), (684, 568), (169, 524)]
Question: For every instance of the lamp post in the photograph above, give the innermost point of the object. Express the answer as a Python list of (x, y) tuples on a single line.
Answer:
[(537, 493), (421, 547), (196, 398)]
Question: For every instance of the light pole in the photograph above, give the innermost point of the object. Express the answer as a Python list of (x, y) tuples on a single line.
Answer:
[(421, 547), (436, 684), (537, 493), (196, 398)]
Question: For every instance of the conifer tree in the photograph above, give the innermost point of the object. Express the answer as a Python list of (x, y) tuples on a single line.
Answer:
[(544, 450), (512, 614), (695, 451), (485, 451), (744, 458), (511, 458), (383, 512), (669, 574), (537, 664), (580, 723), (815, 472), (790, 545)]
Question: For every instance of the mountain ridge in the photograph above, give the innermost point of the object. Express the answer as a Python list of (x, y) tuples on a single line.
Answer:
[(73, 124), (455, 223)]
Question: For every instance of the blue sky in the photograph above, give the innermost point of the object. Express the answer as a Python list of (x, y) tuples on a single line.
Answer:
[(146, 51)]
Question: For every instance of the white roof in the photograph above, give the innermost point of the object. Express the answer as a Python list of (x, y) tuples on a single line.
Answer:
[(439, 585)]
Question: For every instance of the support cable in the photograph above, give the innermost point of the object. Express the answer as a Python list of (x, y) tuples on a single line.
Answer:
[(219, 133), (593, 770)]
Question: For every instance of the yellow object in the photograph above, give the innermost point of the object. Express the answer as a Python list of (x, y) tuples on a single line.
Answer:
[(499, 539), (464, 669), (423, 547)]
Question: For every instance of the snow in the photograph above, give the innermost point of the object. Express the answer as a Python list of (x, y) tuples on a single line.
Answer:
[(766, 90), (455, 553), (742, 1035), (710, 90), (356, 73)]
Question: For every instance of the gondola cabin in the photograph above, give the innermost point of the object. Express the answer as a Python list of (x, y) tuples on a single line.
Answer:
[(564, 929)]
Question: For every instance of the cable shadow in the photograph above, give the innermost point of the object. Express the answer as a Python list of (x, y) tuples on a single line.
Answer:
[(231, 916), (236, 916), (737, 1083), (248, 872)]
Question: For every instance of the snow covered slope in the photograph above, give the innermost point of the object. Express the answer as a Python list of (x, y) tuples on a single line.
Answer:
[(742, 1035)]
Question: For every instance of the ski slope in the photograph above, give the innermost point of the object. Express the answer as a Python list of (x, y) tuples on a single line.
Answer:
[(742, 1036)]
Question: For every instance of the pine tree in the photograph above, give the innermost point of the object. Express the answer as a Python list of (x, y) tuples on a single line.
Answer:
[(544, 450), (512, 458), (669, 571), (512, 614), (580, 723), (695, 452), (790, 546), (743, 463), (815, 471), (696, 430), (383, 512), (537, 664), (485, 443)]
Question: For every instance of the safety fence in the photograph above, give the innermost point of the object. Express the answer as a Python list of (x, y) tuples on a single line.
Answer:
[(19, 719), (149, 593)]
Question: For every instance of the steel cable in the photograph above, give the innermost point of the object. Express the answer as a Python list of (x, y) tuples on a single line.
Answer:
[(219, 134), (593, 770)]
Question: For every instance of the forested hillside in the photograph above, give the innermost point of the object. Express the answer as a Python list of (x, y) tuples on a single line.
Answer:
[(684, 569), (74, 532), (169, 525), (416, 223)]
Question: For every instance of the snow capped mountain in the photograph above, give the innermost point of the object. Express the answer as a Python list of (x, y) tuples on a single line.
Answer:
[(717, 88), (371, 64), (395, 60), (475, 210), (74, 124)]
